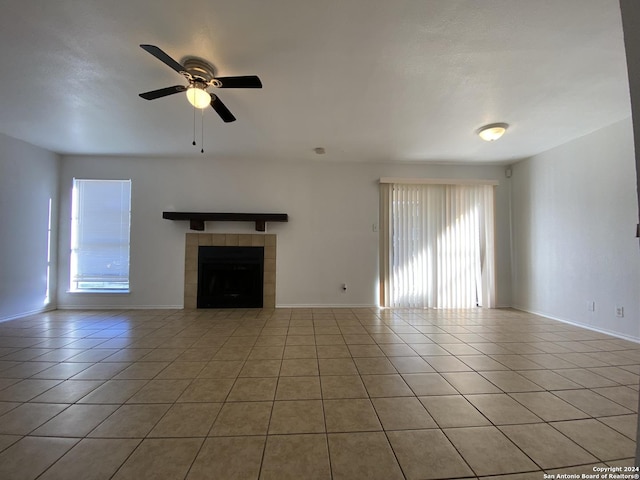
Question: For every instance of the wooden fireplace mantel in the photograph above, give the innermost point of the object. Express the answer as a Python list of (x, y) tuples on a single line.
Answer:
[(197, 219)]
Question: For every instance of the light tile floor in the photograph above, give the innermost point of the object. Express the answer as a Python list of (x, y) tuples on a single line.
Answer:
[(312, 394)]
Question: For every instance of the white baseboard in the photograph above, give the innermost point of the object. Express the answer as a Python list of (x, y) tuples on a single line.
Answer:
[(48, 308), (313, 305), (581, 325)]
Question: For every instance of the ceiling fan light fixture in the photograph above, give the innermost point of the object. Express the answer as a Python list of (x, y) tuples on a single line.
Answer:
[(492, 132), (198, 97)]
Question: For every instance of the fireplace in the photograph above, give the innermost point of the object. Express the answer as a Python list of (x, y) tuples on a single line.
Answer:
[(227, 244), (230, 277)]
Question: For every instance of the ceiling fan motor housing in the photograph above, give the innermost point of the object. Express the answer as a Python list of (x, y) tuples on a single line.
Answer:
[(199, 72)]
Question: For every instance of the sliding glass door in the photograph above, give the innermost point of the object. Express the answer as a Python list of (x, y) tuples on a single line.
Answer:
[(437, 245)]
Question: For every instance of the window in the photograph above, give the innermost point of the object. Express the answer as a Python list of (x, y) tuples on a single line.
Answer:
[(100, 221), (47, 293)]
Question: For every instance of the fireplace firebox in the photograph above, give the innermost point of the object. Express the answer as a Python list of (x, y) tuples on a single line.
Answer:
[(230, 277)]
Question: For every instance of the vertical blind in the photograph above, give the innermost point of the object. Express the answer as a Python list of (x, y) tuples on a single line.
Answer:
[(437, 245), (100, 224)]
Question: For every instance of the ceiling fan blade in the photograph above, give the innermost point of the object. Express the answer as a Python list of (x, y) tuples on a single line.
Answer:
[(222, 110), (248, 81), (163, 57), (163, 92)]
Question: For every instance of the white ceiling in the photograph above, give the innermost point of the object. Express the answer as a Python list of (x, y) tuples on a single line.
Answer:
[(369, 80)]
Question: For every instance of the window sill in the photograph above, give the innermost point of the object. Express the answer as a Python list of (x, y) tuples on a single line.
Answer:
[(101, 292)]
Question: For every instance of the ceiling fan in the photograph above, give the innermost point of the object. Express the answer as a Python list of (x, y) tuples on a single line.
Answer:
[(200, 76)]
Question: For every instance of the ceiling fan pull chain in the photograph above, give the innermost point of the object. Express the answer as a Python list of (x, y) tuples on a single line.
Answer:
[(194, 126), (202, 131)]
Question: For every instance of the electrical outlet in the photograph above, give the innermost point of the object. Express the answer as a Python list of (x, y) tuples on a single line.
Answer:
[(591, 306), (619, 312)]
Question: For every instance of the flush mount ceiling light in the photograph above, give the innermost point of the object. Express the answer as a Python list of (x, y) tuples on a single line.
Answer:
[(492, 132)]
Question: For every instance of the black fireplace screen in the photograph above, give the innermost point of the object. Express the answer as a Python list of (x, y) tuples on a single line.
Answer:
[(230, 277)]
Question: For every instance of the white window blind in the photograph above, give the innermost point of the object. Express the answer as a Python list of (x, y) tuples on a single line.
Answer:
[(100, 224), (437, 248)]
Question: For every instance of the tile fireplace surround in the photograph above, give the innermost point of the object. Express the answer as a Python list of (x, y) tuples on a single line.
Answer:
[(195, 240)]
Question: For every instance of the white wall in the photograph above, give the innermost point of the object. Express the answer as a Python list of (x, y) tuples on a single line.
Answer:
[(574, 216), (28, 179), (328, 241)]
